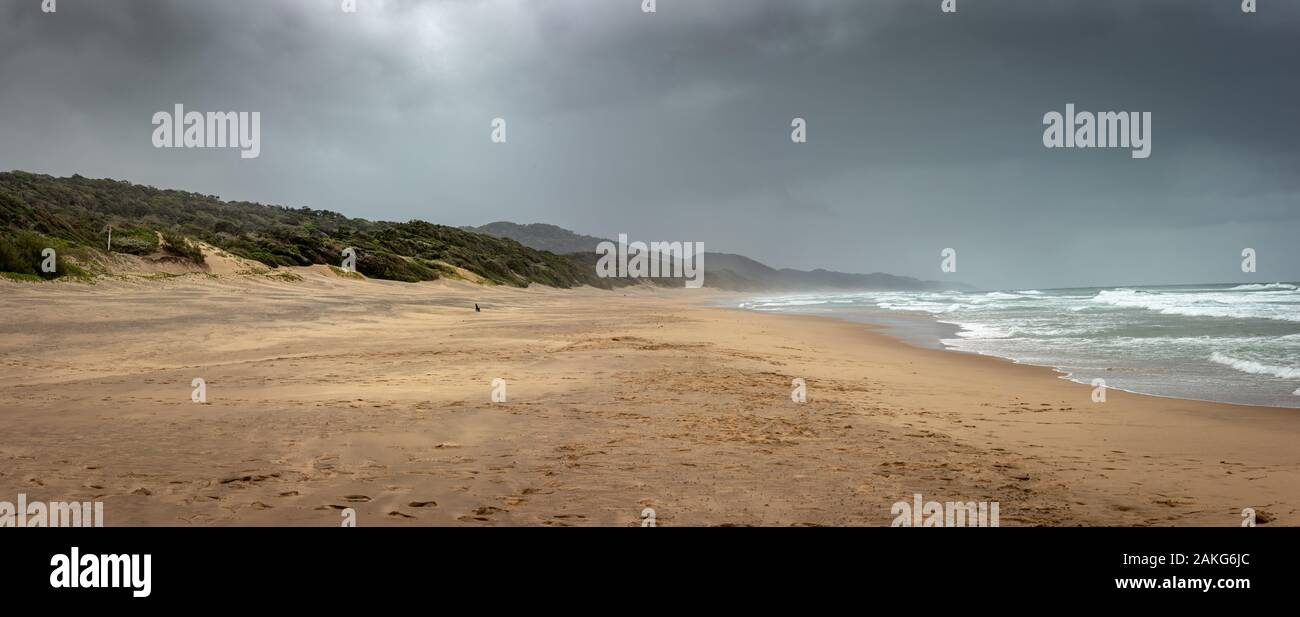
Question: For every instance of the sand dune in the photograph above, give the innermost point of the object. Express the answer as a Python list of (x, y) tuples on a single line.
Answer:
[(327, 393)]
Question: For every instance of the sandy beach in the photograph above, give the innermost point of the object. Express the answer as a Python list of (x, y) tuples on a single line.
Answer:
[(328, 393)]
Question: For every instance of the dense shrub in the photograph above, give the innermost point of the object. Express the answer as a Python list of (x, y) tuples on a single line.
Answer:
[(23, 253), (135, 240), (77, 209), (180, 246)]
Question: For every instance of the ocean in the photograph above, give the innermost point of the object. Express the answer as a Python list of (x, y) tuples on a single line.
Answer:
[(1218, 342)]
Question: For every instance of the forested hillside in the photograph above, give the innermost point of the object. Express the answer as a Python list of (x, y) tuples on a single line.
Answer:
[(76, 211)]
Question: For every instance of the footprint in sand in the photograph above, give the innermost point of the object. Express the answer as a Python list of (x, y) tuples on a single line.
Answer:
[(423, 504), (481, 513), (356, 498)]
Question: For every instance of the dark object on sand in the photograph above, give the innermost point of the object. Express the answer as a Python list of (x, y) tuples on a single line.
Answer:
[(476, 308)]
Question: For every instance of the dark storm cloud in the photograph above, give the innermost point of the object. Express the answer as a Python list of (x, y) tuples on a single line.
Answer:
[(924, 129)]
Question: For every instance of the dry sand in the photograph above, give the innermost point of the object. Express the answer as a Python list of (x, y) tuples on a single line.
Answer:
[(329, 393)]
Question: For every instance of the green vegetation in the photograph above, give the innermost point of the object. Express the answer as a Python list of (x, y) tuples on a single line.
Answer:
[(541, 236), (344, 273), (181, 246), (159, 276), (77, 210), (23, 253), (286, 276), (135, 241)]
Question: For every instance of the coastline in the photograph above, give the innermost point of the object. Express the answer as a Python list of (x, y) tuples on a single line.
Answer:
[(327, 394), (1152, 414), (941, 331)]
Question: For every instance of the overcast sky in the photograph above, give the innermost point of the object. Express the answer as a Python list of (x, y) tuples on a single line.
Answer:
[(925, 129)]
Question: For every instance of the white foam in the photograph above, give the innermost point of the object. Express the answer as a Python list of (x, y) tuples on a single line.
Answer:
[(772, 304), (980, 331), (1229, 305), (1261, 286), (1256, 368)]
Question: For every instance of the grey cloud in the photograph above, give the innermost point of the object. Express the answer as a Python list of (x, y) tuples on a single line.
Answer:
[(924, 129)]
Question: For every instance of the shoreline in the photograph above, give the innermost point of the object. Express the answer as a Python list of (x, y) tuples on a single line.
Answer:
[(1059, 373), (327, 393), (1063, 373)]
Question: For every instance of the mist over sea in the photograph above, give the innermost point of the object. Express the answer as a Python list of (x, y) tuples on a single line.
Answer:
[(1229, 343)]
